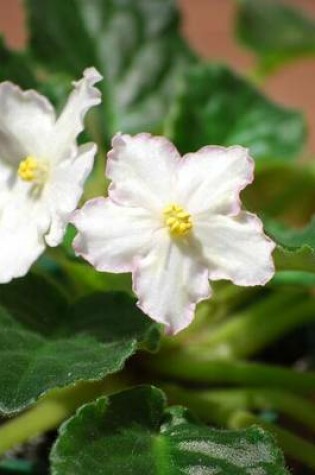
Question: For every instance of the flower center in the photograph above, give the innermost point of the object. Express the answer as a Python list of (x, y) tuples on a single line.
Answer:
[(33, 170), (177, 220)]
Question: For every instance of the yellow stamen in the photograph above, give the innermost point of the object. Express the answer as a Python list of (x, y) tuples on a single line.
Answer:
[(177, 220), (31, 169)]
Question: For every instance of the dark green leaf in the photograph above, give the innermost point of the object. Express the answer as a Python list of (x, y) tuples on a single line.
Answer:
[(276, 187), (217, 107), (302, 260), (41, 351), (275, 31), (296, 247), (112, 316), (35, 302), (15, 67), (133, 433), (292, 239), (135, 45)]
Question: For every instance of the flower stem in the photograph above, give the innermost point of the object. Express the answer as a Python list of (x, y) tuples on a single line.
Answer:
[(250, 331), (228, 400), (50, 411), (190, 366)]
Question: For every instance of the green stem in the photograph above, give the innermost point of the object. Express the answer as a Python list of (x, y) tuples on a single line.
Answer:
[(49, 412), (293, 445), (249, 332), (223, 401), (190, 366)]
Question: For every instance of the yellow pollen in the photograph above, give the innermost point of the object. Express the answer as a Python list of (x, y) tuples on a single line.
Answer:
[(31, 169), (177, 220)]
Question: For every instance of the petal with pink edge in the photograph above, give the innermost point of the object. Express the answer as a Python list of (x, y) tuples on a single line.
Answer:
[(235, 248), (169, 282), (111, 236), (211, 179), (143, 170)]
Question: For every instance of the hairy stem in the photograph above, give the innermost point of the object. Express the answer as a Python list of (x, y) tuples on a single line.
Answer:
[(223, 401), (249, 332), (191, 366)]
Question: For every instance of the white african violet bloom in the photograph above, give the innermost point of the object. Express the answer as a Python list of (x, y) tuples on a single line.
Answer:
[(174, 222), (42, 170)]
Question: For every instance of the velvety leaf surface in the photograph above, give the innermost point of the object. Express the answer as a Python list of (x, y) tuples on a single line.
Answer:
[(135, 45), (276, 31), (217, 107), (133, 433), (36, 303), (292, 239), (295, 252), (112, 316), (275, 189), (85, 342)]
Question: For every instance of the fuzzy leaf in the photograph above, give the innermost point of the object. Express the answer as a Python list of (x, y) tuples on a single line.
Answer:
[(275, 31), (292, 239), (296, 249), (87, 341), (215, 106), (275, 189), (133, 433), (135, 45)]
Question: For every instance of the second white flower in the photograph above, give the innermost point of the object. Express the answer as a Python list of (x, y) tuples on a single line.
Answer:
[(174, 222)]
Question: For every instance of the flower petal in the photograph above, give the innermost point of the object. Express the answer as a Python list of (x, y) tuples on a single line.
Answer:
[(212, 178), (111, 236), (21, 241), (26, 122), (70, 122), (142, 169), (236, 249), (65, 190), (169, 282)]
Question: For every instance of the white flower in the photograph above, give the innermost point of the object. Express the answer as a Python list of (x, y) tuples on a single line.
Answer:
[(174, 223), (42, 170)]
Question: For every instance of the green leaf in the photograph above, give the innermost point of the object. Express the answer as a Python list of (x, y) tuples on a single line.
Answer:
[(296, 248), (135, 45), (276, 187), (292, 239), (35, 302), (133, 433), (217, 107), (276, 32), (85, 342), (15, 66), (110, 317), (302, 260)]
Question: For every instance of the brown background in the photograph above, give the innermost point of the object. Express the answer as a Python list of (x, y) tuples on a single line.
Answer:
[(208, 25)]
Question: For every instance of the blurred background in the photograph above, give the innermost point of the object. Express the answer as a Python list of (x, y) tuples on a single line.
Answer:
[(208, 25)]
